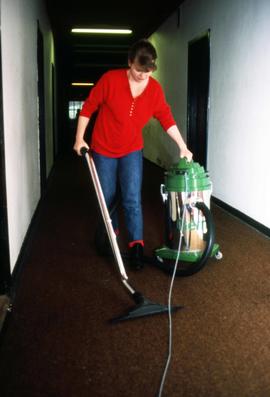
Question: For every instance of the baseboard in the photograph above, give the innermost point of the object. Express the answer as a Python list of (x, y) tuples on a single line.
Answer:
[(238, 214)]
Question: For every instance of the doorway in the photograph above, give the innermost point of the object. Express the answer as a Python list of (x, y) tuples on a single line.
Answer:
[(198, 95)]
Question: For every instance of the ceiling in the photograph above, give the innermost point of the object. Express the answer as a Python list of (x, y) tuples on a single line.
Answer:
[(84, 57)]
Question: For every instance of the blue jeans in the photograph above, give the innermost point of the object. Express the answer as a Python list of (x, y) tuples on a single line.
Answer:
[(127, 171)]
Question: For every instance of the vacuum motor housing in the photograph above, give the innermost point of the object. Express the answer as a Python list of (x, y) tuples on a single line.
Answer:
[(189, 178)]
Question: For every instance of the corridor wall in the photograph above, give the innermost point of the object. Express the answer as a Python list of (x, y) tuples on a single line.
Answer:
[(238, 117), (19, 21)]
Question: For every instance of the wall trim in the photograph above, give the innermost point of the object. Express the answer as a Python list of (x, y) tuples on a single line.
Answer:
[(238, 214)]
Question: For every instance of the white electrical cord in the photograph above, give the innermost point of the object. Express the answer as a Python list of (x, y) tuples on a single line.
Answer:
[(170, 298)]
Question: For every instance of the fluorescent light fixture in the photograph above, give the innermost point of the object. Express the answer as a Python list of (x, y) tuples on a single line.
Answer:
[(102, 31), (81, 84)]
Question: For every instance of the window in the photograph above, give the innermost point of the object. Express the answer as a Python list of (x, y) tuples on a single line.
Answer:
[(73, 108)]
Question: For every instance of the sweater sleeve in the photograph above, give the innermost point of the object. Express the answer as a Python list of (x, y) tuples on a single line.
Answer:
[(95, 98), (162, 111)]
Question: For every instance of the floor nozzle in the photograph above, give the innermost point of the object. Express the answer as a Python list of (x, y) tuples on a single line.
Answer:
[(144, 307)]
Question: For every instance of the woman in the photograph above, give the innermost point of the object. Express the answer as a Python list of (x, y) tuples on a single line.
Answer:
[(126, 99)]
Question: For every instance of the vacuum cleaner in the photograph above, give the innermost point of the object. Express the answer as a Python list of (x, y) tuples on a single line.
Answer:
[(143, 306), (187, 184)]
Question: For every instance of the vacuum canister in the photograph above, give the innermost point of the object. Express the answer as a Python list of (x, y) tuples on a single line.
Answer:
[(187, 183)]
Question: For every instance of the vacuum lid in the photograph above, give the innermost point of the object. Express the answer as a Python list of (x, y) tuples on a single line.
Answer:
[(187, 176)]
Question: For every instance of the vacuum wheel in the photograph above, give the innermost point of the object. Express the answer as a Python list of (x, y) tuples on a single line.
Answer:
[(197, 243), (218, 255)]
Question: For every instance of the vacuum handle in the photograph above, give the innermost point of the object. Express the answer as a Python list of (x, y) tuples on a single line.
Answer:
[(83, 150)]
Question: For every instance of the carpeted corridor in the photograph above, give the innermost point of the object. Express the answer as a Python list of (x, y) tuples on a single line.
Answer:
[(58, 341)]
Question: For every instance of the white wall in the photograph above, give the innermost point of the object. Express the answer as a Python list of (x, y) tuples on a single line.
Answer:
[(239, 122), (19, 75)]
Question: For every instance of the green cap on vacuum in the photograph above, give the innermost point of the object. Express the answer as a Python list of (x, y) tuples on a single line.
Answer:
[(186, 176)]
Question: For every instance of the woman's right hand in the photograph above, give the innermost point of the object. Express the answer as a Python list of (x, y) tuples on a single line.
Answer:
[(79, 143)]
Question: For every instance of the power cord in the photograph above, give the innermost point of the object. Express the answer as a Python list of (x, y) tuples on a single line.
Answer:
[(170, 293)]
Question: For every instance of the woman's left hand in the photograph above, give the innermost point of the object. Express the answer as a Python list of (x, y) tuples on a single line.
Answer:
[(184, 152)]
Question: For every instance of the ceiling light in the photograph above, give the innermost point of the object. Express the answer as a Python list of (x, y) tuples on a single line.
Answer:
[(82, 84), (102, 31)]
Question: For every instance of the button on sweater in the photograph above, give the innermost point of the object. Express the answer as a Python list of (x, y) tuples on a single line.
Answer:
[(121, 117)]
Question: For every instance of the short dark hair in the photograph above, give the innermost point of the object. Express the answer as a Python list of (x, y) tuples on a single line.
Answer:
[(144, 53)]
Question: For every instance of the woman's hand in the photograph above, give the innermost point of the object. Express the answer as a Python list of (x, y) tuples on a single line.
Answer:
[(79, 143), (184, 152)]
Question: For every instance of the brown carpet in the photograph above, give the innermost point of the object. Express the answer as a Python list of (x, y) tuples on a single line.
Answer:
[(58, 342)]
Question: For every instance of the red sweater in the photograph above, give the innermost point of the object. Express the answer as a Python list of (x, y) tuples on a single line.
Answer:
[(120, 119)]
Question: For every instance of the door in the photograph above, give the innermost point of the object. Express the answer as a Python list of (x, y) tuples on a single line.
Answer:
[(198, 94)]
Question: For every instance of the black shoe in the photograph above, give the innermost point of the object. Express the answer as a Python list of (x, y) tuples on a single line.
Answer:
[(136, 256)]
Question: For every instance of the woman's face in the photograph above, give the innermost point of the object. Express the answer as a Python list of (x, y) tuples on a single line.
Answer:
[(137, 72)]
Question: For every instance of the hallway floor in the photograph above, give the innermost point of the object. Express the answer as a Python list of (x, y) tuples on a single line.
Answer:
[(58, 341)]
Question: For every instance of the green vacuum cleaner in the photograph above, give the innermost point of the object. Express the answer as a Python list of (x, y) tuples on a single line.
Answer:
[(187, 186)]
